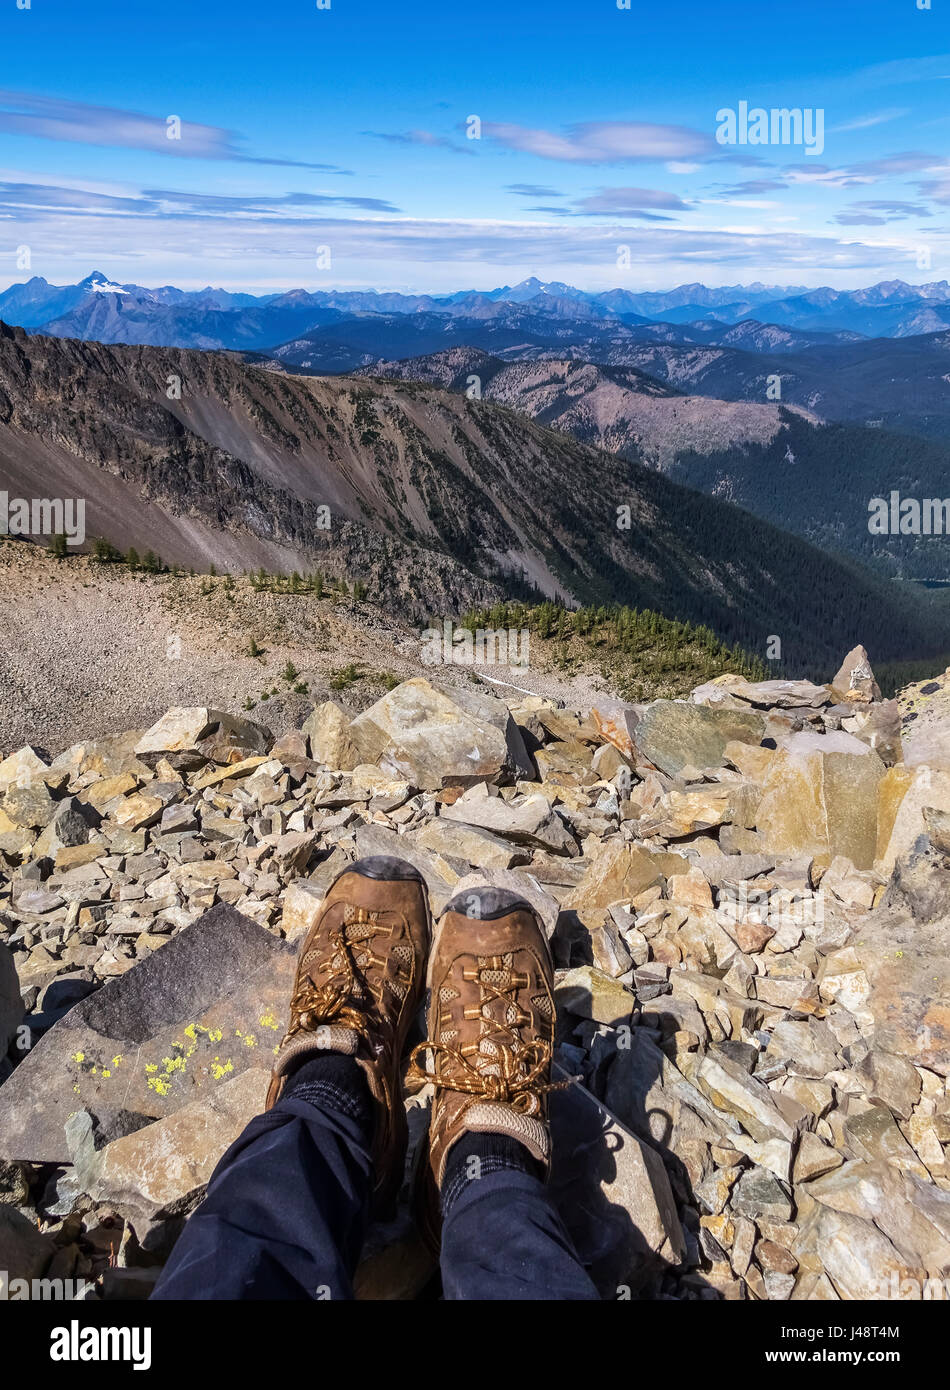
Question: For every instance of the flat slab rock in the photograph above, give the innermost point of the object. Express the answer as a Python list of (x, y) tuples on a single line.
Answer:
[(209, 1005), (673, 733)]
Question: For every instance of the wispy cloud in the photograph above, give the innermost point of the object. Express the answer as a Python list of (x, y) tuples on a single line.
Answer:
[(214, 203), (604, 142), (750, 187), (908, 162), (935, 68), (877, 212), (532, 190), (865, 122), (170, 204), (938, 189), (629, 202), (894, 207), (419, 137), (50, 118), (214, 233)]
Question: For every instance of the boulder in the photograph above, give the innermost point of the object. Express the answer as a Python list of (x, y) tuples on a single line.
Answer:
[(679, 814), (29, 808), (764, 1114), (905, 795), (781, 694), (435, 738), (189, 737), (328, 729), (820, 798), (469, 844), (859, 1259), (71, 823), (855, 679), (879, 726), (617, 725), (914, 1216), (163, 1168), (21, 769), (895, 978), (589, 993), (618, 872), (302, 903)]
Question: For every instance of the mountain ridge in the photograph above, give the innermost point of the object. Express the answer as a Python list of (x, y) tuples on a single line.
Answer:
[(168, 316), (440, 502)]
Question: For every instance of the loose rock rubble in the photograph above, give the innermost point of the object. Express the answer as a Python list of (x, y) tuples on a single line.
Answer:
[(747, 895)]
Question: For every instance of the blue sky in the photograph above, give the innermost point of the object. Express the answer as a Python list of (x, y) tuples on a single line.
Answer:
[(345, 128)]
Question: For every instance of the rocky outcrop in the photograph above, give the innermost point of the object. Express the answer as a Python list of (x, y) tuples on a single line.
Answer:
[(748, 905)]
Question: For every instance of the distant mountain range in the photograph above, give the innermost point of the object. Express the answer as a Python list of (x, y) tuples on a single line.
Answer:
[(779, 318), (437, 501)]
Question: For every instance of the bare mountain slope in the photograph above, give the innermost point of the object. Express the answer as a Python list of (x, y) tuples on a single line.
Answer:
[(781, 462), (616, 408), (437, 502)]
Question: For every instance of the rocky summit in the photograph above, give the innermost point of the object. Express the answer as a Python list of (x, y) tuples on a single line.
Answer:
[(747, 895)]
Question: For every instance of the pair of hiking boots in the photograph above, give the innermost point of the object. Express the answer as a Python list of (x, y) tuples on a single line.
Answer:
[(362, 973)]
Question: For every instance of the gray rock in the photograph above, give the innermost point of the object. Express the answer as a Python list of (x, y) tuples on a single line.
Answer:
[(469, 844), (528, 822), (902, 967), (809, 1047), (70, 825), (189, 737), (178, 1022), (162, 1169), (328, 729), (858, 1258), (24, 1251), (588, 993), (612, 1192), (11, 1002), (762, 1113), (890, 1081), (855, 679), (673, 734), (760, 1195), (436, 738), (87, 1134), (29, 807)]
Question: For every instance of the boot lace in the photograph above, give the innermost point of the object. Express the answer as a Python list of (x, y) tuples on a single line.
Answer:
[(332, 1002), (505, 1069)]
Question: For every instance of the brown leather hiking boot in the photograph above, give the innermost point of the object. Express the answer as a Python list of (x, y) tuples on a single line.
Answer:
[(360, 981), (491, 1033)]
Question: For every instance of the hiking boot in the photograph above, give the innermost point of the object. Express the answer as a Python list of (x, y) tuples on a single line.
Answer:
[(359, 983), (491, 1033)]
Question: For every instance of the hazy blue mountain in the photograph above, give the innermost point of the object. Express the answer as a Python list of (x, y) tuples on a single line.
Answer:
[(549, 313)]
